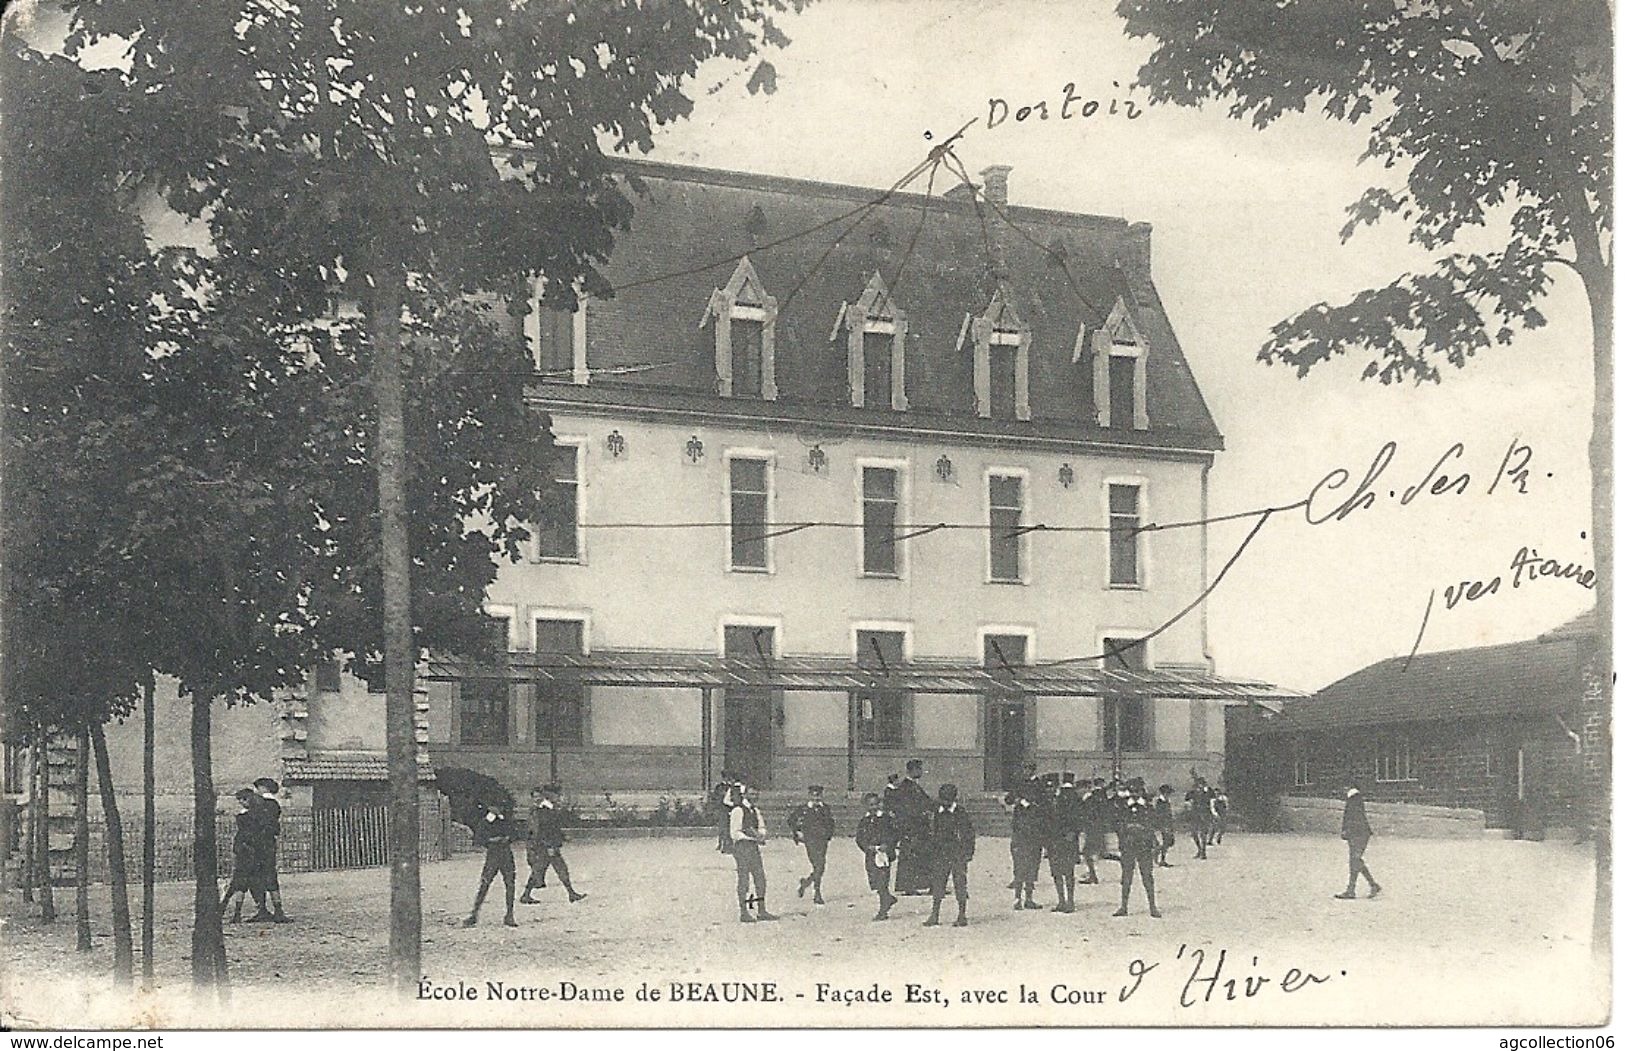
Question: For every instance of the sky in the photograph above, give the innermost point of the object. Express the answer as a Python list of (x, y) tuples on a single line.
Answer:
[(1245, 233)]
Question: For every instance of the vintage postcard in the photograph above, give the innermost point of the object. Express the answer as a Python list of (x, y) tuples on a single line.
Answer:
[(774, 513)]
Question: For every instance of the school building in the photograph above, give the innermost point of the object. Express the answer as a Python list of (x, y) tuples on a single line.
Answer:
[(854, 477)]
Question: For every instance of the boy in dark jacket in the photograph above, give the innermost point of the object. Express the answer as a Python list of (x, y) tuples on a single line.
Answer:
[(1028, 827), (1162, 820), (951, 845), (546, 847), (269, 826), (1066, 822), (247, 857), (877, 838), (495, 832), (813, 826), (1136, 845)]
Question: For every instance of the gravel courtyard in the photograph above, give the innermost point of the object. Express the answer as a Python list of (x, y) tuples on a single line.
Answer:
[(1466, 932)]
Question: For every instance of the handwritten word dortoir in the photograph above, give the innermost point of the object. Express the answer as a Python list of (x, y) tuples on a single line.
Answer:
[(1070, 106)]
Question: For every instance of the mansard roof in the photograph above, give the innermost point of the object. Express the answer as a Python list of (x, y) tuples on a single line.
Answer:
[(692, 227)]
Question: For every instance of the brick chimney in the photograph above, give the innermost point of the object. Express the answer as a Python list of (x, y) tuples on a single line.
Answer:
[(996, 184), (1135, 253)]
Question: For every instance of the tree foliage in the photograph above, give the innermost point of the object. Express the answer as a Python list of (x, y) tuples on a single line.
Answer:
[(1495, 112)]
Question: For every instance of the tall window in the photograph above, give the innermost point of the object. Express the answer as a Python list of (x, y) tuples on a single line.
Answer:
[(881, 713), (560, 702), (1004, 519), (880, 498), (747, 521), (877, 379), (1122, 371), (16, 767), (1124, 503), (483, 701), (1393, 760), (1001, 366), (746, 344), (1126, 726), (560, 533), (1302, 777)]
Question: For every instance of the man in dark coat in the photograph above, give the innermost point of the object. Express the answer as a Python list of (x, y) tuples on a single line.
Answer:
[(813, 826), (911, 807), (877, 838), (952, 844), (1357, 831)]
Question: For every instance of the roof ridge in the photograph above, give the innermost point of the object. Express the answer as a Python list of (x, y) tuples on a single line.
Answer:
[(847, 191)]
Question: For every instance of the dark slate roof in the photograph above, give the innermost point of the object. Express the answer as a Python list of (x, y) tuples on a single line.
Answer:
[(350, 767), (1519, 678), (686, 218), (1583, 626)]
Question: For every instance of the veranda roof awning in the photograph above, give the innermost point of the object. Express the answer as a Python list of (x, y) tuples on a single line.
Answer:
[(676, 669)]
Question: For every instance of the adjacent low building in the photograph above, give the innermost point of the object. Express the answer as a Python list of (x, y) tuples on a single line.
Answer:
[(1499, 729)]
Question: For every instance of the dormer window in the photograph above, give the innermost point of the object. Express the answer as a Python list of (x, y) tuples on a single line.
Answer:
[(557, 338), (1117, 356), (876, 337), (741, 315), (1001, 343)]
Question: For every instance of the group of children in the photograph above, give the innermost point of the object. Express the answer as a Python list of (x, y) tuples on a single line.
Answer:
[(496, 832), (913, 844), (253, 855)]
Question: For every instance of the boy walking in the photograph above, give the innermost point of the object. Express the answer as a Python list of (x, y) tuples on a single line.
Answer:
[(546, 847), (877, 838), (952, 844), (495, 832), (748, 831), (269, 827), (247, 858), (813, 826), (1357, 831)]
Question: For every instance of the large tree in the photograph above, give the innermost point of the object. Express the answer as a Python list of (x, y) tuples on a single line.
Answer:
[(409, 159), (1498, 114)]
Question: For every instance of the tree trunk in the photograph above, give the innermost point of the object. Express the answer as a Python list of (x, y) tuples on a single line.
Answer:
[(31, 826), (1599, 290), (400, 652), (81, 841), (208, 948), (42, 830), (118, 881), (149, 828)]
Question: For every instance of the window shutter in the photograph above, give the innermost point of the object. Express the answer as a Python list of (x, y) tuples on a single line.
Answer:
[(981, 335), (854, 355), (1142, 418), (899, 393), (1100, 351), (1024, 410)]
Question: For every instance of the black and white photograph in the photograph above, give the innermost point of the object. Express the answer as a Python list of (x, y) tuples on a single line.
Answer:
[(806, 514)]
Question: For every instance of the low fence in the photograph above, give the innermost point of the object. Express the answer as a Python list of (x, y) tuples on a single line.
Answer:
[(312, 841)]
